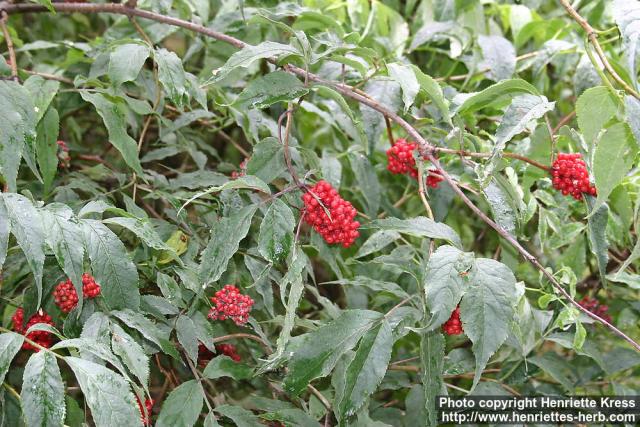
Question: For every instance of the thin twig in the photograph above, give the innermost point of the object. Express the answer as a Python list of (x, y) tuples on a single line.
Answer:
[(48, 76), (4, 19), (387, 122), (285, 142)]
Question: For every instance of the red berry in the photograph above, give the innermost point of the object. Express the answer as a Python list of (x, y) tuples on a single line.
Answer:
[(228, 350), (453, 326), (594, 306), (570, 176), (401, 161), (63, 154), (330, 215), (65, 294), (39, 337), (148, 405), (242, 171), (229, 303)]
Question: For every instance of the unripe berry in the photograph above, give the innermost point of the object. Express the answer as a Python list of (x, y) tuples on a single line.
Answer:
[(453, 326), (569, 175), (330, 215), (229, 303)]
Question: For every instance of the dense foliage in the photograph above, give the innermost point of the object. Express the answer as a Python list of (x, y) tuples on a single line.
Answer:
[(316, 212)]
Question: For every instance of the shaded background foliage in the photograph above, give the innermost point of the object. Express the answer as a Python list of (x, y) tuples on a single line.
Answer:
[(175, 183)]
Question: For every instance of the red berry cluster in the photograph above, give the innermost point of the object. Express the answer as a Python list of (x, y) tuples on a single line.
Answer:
[(229, 303), (594, 306), (242, 171), (401, 161), (570, 176), (453, 326), (148, 405), (330, 215), (228, 350), (65, 294), (63, 155), (40, 337)]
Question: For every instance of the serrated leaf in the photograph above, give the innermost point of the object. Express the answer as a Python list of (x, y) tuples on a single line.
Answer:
[(597, 233), (387, 93), (141, 228), (627, 16), (522, 110), (26, 226), (113, 114), (632, 115), (367, 369), (419, 226), (43, 391), (267, 161), (487, 309), (100, 385), (498, 91), (42, 93), (319, 351), (64, 237), (270, 89), (10, 344), (241, 417), (448, 275), (171, 74), (405, 76), (111, 265), (18, 118), (503, 212), (183, 405), (594, 108), (432, 345), (499, 57), (434, 92), (327, 92), (367, 181), (126, 61), (223, 366), (5, 230), (46, 147), (276, 232), (377, 241), (225, 239), (131, 353), (140, 323), (186, 333), (249, 54), (244, 182), (613, 158)]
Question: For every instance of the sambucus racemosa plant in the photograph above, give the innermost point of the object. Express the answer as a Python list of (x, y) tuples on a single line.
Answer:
[(313, 213)]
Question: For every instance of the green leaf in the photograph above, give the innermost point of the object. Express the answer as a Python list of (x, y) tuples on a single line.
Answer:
[(225, 239), (26, 226), (47, 148), (420, 227), (18, 119), (275, 87), (594, 108), (318, 352), (558, 368), (597, 232), (186, 333), (632, 115), (367, 182), (487, 309), (522, 110), (448, 275), (406, 77), (126, 61), (183, 405), (499, 57), (171, 74), (42, 93), (613, 158), (327, 92), (43, 391), (627, 16), (367, 369), (100, 385), (276, 232), (377, 241), (244, 182), (141, 228), (223, 366), (131, 353), (113, 114), (138, 322), (387, 93), (111, 265), (432, 356), (5, 229), (45, 3), (433, 90), (240, 416), (249, 54), (10, 344), (498, 91), (267, 161), (64, 237)]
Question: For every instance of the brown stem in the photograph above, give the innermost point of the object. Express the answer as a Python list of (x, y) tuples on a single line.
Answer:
[(4, 19), (387, 122), (487, 155), (426, 149), (48, 76), (285, 142), (592, 35)]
